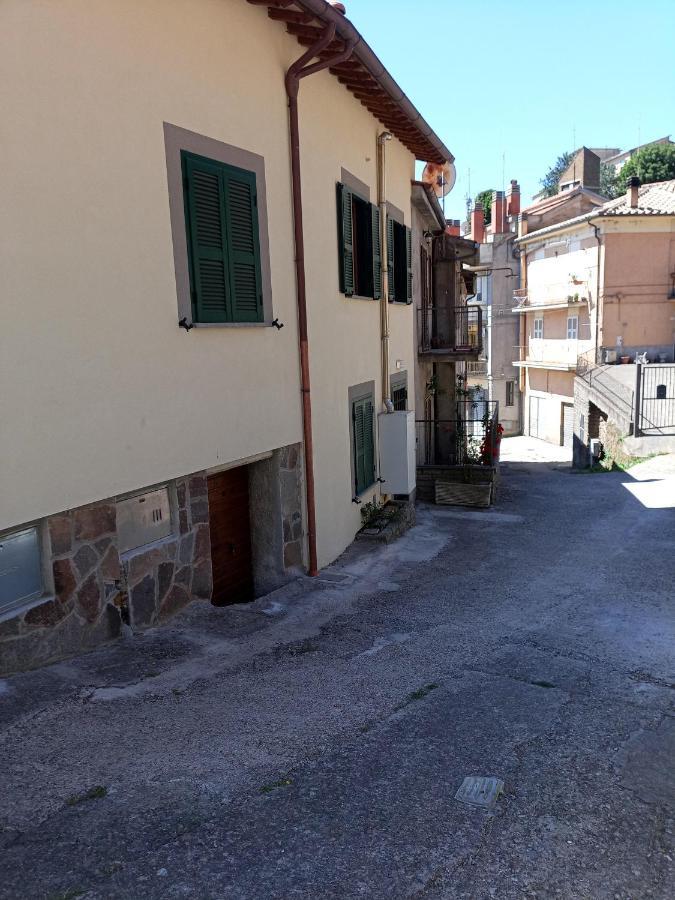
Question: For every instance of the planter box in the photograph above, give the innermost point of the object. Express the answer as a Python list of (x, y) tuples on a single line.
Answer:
[(456, 493)]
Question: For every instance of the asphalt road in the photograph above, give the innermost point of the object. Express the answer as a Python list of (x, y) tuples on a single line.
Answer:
[(311, 745)]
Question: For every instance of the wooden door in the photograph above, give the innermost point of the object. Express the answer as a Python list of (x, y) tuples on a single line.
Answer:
[(230, 537)]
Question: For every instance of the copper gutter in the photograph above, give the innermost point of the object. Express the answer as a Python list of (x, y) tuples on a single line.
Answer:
[(300, 69)]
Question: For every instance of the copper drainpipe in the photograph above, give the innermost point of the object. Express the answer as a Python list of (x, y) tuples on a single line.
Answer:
[(300, 69)]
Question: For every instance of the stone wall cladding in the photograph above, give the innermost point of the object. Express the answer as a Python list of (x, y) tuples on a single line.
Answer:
[(290, 473), (96, 590)]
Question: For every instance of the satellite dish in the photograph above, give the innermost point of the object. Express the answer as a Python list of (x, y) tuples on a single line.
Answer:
[(440, 177)]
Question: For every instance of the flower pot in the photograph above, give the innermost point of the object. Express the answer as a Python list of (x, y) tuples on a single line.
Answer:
[(625, 360)]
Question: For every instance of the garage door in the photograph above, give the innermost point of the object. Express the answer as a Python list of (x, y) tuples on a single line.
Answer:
[(567, 425), (229, 523), (534, 416)]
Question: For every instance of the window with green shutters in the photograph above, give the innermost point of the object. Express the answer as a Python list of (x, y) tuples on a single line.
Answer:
[(399, 262), (364, 444), (221, 218), (359, 260)]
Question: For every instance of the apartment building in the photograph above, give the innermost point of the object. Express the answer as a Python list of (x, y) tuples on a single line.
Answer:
[(206, 321), (595, 290)]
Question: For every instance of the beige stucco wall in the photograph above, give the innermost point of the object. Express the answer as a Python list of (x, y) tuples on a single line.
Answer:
[(637, 281), (107, 393), (553, 389)]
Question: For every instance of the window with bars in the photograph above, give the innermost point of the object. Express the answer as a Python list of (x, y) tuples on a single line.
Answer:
[(221, 219), (399, 391), (510, 393)]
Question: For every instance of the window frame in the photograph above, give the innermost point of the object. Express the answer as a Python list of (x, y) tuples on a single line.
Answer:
[(510, 392), (535, 336), (21, 605), (358, 394), (170, 489), (575, 335), (178, 139), (399, 381)]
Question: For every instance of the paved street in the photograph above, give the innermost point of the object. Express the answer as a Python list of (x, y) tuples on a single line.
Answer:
[(311, 745)]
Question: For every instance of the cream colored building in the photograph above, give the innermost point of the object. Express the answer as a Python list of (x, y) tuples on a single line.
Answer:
[(152, 409)]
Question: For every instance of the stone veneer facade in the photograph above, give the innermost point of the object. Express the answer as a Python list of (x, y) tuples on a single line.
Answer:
[(96, 590)]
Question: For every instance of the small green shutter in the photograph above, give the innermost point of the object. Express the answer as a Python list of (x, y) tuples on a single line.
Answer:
[(241, 203), (345, 240), (377, 256), (205, 220), (409, 279), (390, 260), (364, 448)]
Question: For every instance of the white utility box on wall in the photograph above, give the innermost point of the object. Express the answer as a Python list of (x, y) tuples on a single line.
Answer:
[(397, 451)]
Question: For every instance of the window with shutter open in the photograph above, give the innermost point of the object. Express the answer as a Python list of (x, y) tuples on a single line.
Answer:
[(358, 226), (221, 215), (399, 260)]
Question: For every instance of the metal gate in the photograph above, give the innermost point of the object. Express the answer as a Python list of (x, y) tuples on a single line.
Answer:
[(567, 436), (657, 400), (534, 416)]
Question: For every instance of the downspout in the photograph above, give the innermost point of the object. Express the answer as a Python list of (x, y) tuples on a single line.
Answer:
[(384, 292), (300, 69), (597, 292)]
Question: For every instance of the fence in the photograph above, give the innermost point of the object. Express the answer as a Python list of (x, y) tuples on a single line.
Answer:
[(656, 391), (450, 328), (471, 438)]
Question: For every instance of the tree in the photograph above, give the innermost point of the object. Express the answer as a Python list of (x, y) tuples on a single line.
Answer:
[(551, 179), (655, 163), (611, 186), (485, 199)]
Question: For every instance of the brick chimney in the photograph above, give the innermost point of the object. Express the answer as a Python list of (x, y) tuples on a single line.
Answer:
[(513, 199), (478, 224), (497, 226), (633, 190), (452, 228)]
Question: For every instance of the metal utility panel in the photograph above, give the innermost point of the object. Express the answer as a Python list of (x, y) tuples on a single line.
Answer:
[(397, 451), (143, 519), (20, 571)]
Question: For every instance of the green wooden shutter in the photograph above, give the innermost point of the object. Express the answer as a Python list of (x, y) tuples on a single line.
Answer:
[(345, 240), (390, 260), (364, 447), (205, 224), (409, 279), (241, 203), (377, 255)]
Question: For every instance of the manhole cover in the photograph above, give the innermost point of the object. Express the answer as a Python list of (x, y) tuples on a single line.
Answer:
[(478, 791)]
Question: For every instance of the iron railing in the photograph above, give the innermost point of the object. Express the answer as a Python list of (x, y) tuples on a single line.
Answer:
[(656, 414), (477, 367), (469, 439), (450, 329)]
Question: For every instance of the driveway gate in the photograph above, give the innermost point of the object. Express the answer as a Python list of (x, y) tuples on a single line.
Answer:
[(657, 400)]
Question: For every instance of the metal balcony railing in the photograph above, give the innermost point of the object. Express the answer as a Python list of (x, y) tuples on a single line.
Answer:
[(456, 330), (468, 439), (477, 367)]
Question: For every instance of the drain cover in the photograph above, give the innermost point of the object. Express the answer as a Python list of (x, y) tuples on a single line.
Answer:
[(478, 791)]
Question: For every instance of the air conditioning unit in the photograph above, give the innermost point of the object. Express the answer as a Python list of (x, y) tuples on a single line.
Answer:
[(595, 449), (397, 451), (608, 356)]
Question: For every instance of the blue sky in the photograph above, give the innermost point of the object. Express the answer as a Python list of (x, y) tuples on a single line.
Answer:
[(527, 80)]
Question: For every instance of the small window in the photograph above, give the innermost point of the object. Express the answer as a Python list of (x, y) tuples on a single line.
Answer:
[(364, 443), (538, 329), (20, 568), (510, 392), (399, 262), (143, 519), (360, 265), (582, 428), (221, 218), (661, 392), (399, 391), (572, 328)]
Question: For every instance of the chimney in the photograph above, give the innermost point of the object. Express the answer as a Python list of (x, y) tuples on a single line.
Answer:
[(633, 190), (478, 224), (513, 199), (452, 227), (497, 224)]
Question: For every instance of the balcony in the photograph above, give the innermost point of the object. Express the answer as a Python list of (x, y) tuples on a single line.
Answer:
[(460, 441), (480, 367), (552, 353), (448, 333), (520, 298)]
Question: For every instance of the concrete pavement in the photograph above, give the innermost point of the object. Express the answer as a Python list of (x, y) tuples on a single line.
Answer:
[(310, 745)]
